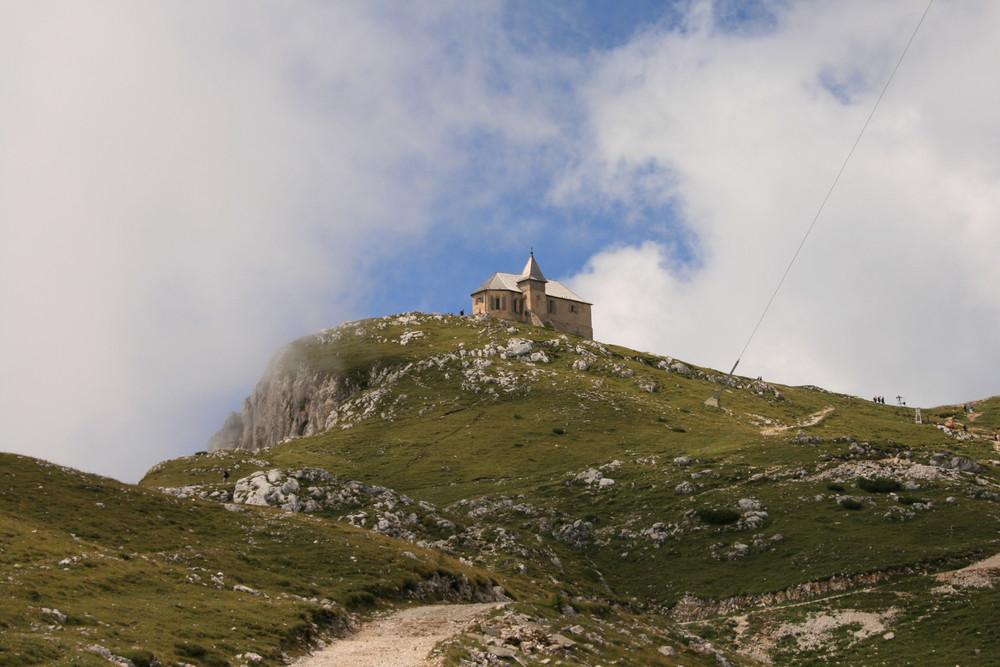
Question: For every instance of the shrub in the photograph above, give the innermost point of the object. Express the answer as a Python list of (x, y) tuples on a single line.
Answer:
[(878, 484), (559, 430), (850, 504), (190, 650), (358, 600), (678, 429), (838, 488), (909, 500), (719, 517), (141, 658)]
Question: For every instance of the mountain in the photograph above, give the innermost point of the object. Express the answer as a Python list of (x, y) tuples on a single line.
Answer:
[(419, 457)]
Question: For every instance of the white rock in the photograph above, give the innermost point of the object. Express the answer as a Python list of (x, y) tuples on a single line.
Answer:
[(517, 347), (685, 489)]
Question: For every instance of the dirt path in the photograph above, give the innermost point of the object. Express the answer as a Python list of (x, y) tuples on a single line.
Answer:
[(812, 420), (980, 574), (401, 640)]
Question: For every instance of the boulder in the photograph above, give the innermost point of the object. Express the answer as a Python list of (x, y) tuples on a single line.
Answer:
[(685, 489), (517, 347), (963, 464)]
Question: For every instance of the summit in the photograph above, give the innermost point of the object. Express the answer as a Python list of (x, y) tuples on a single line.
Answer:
[(530, 298)]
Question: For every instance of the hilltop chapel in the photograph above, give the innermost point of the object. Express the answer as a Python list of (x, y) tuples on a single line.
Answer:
[(531, 299)]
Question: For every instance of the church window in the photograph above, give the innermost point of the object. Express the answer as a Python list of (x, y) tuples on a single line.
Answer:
[(552, 306)]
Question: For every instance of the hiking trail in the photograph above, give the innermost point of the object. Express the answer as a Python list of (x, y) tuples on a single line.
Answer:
[(811, 420), (402, 639)]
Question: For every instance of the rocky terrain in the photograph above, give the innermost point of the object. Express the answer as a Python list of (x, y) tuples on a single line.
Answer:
[(620, 518)]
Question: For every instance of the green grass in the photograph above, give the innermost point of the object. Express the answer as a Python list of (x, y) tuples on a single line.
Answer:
[(520, 438), (136, 571)]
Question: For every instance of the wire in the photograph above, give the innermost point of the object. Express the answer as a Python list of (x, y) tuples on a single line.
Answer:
[(827, 197)]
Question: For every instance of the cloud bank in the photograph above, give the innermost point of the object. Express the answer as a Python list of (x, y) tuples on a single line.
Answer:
[(745, 130), (183, 188)]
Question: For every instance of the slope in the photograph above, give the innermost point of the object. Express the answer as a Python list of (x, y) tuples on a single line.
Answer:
[(598, 471), (89, 566)]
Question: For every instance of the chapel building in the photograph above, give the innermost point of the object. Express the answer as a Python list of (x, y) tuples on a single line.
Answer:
[(531, 299)]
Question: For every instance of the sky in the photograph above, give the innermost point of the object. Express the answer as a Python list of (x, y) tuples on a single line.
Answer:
[(186, 187)]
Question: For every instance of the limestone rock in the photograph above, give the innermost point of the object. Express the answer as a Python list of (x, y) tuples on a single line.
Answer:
[(685, 489), (518, 347), (292, 399)]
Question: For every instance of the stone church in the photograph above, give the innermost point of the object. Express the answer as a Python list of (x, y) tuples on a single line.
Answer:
[(529, 298)]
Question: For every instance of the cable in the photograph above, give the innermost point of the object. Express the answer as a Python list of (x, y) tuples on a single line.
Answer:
[(825, 199)]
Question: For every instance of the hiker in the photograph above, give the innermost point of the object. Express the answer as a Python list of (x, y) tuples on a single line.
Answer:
[(225, 475)]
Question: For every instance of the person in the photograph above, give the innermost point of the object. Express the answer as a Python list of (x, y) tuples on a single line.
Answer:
[(225, 475)]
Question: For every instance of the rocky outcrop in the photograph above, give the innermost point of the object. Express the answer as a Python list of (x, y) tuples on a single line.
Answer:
[(292, 399)]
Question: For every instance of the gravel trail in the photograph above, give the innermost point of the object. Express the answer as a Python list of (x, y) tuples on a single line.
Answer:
[(401, 640)]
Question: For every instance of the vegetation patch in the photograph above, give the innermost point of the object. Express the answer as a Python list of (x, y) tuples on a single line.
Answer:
[(879, 484), (719, 517)]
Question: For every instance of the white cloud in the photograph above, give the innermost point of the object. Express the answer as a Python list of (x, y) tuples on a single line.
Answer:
[(184, 187), (894, 291)]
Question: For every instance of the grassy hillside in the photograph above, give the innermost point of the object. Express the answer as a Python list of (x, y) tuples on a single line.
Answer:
[(520, 430), (88, 561), (784, 489), (591, 481)]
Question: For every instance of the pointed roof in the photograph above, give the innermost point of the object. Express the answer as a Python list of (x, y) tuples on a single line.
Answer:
[(509, 282), (531, 270)]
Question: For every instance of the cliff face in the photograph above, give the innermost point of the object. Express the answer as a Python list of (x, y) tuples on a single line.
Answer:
[(292, 399)]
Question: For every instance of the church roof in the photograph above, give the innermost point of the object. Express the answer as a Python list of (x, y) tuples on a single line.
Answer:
[(509, 281), (531, 270)]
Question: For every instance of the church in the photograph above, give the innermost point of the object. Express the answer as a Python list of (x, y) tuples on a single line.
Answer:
[(531, 299)]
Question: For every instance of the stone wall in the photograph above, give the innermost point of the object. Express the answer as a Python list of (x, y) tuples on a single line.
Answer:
[(570, 316)]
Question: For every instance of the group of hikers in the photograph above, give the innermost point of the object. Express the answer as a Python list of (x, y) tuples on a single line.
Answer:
[(879, 399)]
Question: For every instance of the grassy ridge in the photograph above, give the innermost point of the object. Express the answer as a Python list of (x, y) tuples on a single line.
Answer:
[(147, 575), (527, 430), (594, 472)]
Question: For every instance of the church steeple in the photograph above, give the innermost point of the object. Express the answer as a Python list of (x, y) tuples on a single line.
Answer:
[(531, 270)]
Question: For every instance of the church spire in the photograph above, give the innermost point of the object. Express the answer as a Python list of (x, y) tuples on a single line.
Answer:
[(531, 270)]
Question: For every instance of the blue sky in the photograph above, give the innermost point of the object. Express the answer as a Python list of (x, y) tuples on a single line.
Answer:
[(185, 187)]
